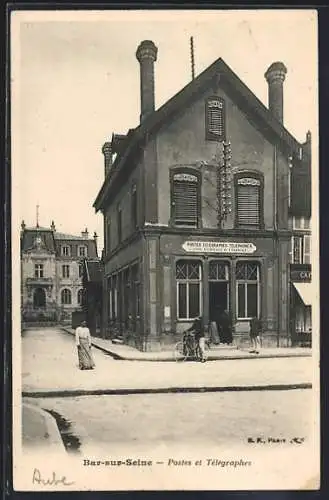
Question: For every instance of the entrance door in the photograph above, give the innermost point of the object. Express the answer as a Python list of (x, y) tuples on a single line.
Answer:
[(218, 298), (39, 298)]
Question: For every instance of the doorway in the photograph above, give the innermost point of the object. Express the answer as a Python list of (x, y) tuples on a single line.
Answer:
[(39, 298), (218, 298)]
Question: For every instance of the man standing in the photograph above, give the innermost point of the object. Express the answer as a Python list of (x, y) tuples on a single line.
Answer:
[(198, 330), (226, 327)]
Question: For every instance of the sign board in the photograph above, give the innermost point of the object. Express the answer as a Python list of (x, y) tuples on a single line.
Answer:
[(230, 247), (300, 272)]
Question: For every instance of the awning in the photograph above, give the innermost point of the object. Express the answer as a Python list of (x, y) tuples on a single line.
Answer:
[(304, 290)]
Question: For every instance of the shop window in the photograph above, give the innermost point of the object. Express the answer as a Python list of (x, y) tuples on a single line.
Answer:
[(215, 119), (247, 290), (249, 201), (38, 271), (80, 297), (66, 296), (66, 251), (185, 198), (188, 282), (66, 271)]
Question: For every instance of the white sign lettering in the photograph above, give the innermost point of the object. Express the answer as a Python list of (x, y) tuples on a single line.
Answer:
[(219, 247)]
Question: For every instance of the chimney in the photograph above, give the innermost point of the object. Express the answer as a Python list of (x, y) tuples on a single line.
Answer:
[(275, 76), (107, 152), (85, 234), (53, 227), (146, 55), (23, 225)]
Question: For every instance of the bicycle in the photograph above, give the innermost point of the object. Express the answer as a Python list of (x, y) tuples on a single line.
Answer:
[(188, 348)]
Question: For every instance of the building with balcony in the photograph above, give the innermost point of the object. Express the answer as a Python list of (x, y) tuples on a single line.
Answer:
[(200, 204), (52, 272)]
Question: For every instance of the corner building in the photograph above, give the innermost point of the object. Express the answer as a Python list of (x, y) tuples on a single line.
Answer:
[(198, 209)]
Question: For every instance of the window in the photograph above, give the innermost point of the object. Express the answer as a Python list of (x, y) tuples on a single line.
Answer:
[(82, 251), (215, 119), (188, 282), (301, 249), (66, 271), (66, 296), (119, 222), (134, 207), (66, 251), (80, 270), (247, 290), (108, 235), (80, 297), (249, 202), (38, 271), (301, 223), (185, 199)]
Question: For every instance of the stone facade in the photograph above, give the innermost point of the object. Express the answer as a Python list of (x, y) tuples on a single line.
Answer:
[(51, 273), (161, 273)]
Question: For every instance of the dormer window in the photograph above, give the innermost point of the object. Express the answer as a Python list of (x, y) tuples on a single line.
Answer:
[(82, 251), (66, 251), (215, 119)]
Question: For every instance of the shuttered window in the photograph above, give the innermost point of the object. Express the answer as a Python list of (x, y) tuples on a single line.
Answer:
[(249, 202), (185, 199), (215, 119)]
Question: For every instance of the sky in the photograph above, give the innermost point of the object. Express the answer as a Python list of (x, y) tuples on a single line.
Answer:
[(75, 81)]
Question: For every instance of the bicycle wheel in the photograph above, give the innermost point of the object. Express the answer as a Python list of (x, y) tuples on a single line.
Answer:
[(180, 351)]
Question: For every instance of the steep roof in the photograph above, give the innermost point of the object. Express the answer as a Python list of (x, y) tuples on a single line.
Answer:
[(232, 85), (29, 236), (63, 236)]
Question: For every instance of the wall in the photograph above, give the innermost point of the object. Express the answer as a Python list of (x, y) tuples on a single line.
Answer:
[(182, 142), (123, 199)]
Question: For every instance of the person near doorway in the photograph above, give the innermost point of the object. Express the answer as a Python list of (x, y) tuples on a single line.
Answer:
[(226, 328), (215, 330), (199, 335), (255, 331), (83, 343)]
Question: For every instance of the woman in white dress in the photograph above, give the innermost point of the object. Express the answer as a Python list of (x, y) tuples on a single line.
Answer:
[(83, 343)]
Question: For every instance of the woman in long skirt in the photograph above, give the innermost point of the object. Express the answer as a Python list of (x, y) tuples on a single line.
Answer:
[(83, 343)]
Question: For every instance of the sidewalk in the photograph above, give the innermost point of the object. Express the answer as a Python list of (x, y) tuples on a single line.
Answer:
[(50, 369), (126, 352), (40, 429)]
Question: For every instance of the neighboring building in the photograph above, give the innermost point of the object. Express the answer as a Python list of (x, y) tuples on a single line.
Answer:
[(198, 204), (51, 272), (92, 280)]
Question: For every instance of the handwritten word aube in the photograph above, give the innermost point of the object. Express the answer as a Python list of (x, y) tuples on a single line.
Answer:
[(52, 481)]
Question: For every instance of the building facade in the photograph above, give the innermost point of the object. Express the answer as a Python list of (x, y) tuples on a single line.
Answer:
[(198, 203), (52, 273)]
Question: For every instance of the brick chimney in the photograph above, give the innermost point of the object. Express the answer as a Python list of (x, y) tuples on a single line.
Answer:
[(85, 234), (275, 76), (107, 152), (52, 226), (146, 55)]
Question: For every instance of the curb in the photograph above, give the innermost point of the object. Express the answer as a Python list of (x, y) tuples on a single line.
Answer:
[(120, 357), (164, 390), (52, 435)]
